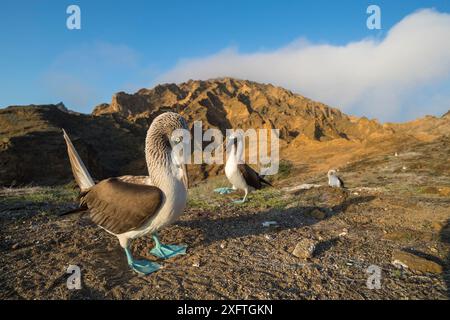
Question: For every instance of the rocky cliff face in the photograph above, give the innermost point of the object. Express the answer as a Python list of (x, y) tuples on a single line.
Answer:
[(111, 139), (230, 103), (427, 128), (32, 148)]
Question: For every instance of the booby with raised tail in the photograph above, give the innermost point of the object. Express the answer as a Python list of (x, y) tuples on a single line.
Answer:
[(130, 210), (334, 180), (240, 175)]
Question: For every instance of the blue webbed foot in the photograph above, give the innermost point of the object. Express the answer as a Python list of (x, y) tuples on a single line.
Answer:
[(224, 190), (141, 266), (144, 266), (166, 251)]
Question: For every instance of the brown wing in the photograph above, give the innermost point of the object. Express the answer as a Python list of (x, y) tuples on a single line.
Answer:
[(342, 182), (250, 176), (119, 206)]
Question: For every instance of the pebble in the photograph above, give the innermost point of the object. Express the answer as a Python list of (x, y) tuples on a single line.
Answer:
[(304, 249), (317, 214), (415, 263), (269, 223), (398, 264)]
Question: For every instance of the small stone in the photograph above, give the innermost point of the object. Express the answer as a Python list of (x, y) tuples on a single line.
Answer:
[(437, 225), (343, 233), (269, 223), (222, 245), (400, 265), (415, 263), (318, 214), (444, 191), (196, 264), (304, 249), (292, 205), (15, 246)]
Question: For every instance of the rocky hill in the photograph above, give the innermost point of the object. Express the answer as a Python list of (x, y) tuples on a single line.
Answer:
[(427, 128), (230, 103), (111, 139), (32, 149)]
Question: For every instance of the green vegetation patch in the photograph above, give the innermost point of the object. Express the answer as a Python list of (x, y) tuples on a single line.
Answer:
[(38, 195)]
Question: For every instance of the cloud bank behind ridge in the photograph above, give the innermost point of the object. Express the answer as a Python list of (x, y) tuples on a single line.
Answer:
[(403, 76)]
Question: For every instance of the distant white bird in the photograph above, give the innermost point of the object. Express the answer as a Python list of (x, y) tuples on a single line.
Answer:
[(240, 175), (334, 180)]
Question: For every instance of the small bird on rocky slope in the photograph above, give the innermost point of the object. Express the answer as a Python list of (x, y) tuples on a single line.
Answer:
[(240, 175), (334, 180)]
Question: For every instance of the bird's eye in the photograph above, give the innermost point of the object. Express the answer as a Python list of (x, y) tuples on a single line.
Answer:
[(177, 140)]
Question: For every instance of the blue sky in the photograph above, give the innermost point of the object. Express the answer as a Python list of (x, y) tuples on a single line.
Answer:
[(127, 45)]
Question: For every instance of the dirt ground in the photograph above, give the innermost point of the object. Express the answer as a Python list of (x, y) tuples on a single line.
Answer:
[(393, 203)]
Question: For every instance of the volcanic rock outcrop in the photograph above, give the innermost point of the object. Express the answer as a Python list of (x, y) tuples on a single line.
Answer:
[(111, 139)]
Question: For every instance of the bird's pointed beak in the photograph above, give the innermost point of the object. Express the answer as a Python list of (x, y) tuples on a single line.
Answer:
[(185, 176)]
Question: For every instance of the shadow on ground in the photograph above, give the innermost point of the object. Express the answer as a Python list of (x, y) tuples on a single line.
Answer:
[(445, 238), (251, 224)]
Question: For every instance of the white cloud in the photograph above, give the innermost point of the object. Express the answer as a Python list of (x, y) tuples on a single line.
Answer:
[(377, 78)]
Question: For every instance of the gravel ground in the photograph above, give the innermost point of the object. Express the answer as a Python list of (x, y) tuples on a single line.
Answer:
[(231, 255)]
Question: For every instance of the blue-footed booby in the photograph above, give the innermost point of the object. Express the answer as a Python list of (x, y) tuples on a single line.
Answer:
[(131, 210), (334, 180), (240, 175)]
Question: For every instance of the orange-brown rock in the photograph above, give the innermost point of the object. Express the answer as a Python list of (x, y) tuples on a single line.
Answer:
[(32, 149), (111, 140), (230, 103)]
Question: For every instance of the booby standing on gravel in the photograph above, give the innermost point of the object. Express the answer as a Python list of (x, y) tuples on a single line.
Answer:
[(334, 180), (240, 175), (130, 210)]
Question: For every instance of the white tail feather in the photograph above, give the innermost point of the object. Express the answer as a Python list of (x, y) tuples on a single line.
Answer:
[(80, 173)]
